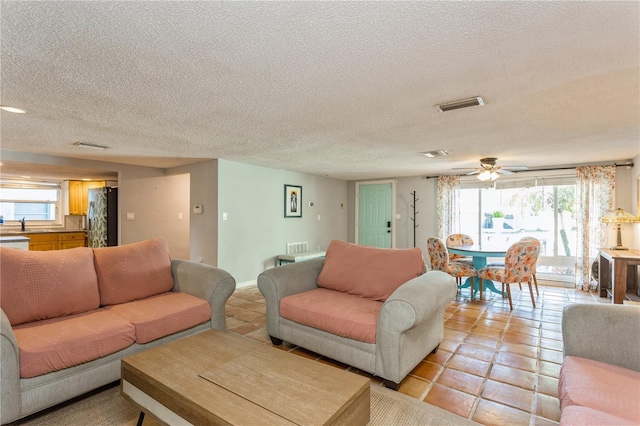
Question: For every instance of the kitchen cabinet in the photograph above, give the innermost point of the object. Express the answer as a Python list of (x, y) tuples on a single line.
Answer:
[(55, 240), (43, 242), (70, 240), (79, 195)]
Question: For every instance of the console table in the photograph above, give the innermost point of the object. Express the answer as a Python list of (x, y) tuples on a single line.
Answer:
[(619, 261), (299, 257)]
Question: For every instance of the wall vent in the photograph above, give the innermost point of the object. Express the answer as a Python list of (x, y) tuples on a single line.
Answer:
[(300, 247), (462, 103)]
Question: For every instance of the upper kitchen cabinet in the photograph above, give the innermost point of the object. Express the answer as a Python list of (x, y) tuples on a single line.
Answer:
[(78, 195)]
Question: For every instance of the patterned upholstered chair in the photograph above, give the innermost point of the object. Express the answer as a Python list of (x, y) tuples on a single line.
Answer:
[(519, 265), (457, 240), (440, 262), (536, 242), (535, 279)]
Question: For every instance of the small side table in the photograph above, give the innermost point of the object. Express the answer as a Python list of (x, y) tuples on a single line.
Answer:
[(620, 260), (299, 257)]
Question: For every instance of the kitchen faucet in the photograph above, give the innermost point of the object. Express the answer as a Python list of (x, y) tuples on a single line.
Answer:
[(22, 223)]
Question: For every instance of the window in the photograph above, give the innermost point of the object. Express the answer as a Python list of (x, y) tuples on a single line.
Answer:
[(529, 207), (37, 202)]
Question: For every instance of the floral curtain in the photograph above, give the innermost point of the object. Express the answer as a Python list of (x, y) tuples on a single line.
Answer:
[(448, 205), (594, 198)]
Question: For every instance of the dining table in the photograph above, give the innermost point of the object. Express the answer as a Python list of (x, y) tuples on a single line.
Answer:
[(479, 254)]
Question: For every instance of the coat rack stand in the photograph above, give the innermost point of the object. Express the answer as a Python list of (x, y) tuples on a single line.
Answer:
[(413, 219)]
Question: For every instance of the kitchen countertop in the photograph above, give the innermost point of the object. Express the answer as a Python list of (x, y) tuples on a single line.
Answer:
[(14, 239), (11, 232)]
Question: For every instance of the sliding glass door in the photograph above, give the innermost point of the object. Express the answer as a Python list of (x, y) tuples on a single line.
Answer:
[(510, 209)]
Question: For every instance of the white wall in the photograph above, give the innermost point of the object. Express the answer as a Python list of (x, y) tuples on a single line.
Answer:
[(155, 200), (256, 230), (626, 198), (202, 235)]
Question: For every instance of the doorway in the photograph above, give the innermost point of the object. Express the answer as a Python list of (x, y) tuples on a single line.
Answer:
[(375, 210)]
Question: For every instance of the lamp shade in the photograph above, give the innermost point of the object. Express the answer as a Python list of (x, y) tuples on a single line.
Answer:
[(488, 175), (619, 216)]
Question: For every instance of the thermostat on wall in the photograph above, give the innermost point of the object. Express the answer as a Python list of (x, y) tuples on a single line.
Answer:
[(197, 209)]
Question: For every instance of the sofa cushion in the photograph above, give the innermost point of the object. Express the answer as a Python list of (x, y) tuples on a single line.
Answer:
[(585, 416), (369, 272), (38, 285), (133, 271), (604, 387), (335, 312), (59, 343), (163, 314)]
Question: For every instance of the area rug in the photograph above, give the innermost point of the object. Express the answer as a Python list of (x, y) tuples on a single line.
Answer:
[(106, 407)]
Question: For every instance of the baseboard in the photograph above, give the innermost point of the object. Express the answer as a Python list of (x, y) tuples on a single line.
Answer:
[(246, 284)]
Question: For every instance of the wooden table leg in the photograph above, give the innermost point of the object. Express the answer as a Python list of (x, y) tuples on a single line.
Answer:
[(619, 281), (604, 278)]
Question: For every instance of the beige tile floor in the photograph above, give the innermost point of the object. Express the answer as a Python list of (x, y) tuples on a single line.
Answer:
[(494, 366)]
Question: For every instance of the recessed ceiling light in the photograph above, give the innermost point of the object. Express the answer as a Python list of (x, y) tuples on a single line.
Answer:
[(90, 145), (12, 109), (437, 153), (459, 104)]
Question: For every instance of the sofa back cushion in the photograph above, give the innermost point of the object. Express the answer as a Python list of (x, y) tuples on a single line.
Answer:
[(369, 272), (133, 271), (38, 285)]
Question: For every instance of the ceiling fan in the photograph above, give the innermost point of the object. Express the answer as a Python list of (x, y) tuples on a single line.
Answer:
[(489, 170)]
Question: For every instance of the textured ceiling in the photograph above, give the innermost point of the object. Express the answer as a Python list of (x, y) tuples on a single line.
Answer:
[(344, 89)]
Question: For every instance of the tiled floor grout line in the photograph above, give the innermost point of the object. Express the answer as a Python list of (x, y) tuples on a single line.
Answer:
[(477, 400)]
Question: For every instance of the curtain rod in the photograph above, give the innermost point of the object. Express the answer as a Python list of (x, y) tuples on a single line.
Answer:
[(628, 165)]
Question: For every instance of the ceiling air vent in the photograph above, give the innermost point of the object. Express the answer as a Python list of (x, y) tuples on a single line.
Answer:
[(462, 103)]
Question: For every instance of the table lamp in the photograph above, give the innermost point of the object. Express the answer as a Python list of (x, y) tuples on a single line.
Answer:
[(619, 216)]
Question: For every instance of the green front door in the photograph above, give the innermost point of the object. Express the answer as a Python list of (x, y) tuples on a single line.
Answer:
[(374, 215)]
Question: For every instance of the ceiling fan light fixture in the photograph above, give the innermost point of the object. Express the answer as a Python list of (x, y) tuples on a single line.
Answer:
[(459, 104), (486, 175)]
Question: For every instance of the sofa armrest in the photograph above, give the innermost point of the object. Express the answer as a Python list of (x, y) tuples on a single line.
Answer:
[(416, 301), (10, 394), (605, 333), (212, 284), (283, 281)]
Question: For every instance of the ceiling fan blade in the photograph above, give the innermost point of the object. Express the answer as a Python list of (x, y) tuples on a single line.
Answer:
[(503, 171), (516, 168), (475, 172)]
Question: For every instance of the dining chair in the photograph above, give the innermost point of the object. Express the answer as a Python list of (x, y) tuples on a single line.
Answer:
[(439, 257), (457, 240), (535, 279), (519, 264), (535, 264)]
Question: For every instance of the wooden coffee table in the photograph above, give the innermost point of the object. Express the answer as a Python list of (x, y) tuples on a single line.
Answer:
[(217, 377)]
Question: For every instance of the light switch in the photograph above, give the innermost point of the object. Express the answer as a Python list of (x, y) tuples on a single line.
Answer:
[(179, 216), (131, 216), (224, 215)]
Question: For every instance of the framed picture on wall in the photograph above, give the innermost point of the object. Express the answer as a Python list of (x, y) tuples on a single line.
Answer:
[(292, 201)]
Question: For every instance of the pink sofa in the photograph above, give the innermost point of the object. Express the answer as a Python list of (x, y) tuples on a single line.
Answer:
[(600, 375), (371, 308), (69, 316)]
